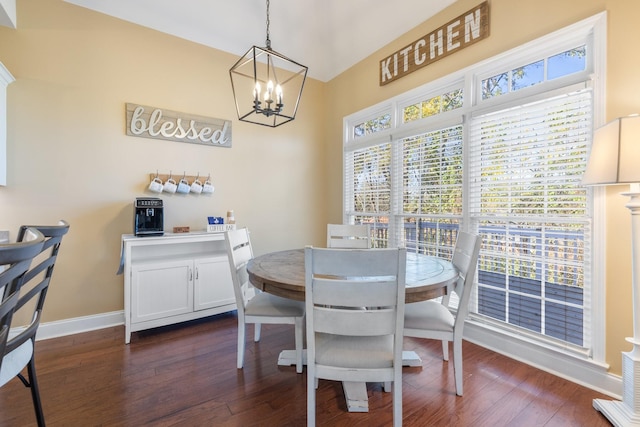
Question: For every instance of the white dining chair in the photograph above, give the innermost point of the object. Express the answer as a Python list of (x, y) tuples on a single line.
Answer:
[(255, 306), (354, 236), (434, 320), (344, 342)]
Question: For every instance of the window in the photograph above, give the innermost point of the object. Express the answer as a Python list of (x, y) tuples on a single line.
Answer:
[(526, 164), (432, 190), (553, 67), (371, 126), (432, 106), (498, 149)]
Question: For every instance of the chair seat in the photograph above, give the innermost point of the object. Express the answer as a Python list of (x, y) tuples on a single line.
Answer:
[(264, 304), (430, 315), (14, 362), (354, 351)]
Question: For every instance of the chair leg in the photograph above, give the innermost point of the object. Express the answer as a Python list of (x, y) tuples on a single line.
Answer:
[(311, 397), (299, 326), (457, 364), (397, 400), (35, 392), (445, 350), (241, 342), (256, 332)]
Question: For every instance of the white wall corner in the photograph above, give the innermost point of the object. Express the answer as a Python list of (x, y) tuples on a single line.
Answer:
[(5, 75), (5, 79), (8, 13)]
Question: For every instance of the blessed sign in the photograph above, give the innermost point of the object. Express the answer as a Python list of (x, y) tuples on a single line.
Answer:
[(156, 123), (463, 31)]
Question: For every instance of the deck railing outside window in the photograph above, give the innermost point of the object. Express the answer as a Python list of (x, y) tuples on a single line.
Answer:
[(546, 297)]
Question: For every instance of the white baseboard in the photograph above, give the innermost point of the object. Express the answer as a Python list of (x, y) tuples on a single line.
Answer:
[(77, 325), (584, 372)]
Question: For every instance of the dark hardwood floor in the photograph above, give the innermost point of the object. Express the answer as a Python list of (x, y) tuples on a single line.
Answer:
[(186, 375)]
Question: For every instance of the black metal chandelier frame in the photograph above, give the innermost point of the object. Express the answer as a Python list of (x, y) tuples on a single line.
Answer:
[(264, 68)]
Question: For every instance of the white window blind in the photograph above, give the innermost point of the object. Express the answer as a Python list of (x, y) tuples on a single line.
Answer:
[(526, 164), (368, 180), (432, 175)]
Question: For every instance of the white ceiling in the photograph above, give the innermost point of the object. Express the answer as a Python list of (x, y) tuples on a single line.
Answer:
[(328, 36)]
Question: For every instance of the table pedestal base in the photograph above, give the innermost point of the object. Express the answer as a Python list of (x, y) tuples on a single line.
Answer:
[(354, 393)]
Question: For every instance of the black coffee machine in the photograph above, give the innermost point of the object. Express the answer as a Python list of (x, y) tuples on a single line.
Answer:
[(149, 217)]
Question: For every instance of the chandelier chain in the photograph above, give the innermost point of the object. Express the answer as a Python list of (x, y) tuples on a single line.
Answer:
[(268, 22)]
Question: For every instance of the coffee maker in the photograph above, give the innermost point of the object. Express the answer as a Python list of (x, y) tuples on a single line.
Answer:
[(148, 217)]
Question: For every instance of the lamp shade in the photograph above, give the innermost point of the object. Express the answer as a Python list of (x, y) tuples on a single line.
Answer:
[(615, 153)]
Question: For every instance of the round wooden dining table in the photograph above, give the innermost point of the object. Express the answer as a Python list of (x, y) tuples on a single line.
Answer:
[(282, 273)]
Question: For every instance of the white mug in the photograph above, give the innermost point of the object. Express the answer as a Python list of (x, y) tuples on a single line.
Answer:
[(156, 185), (196, 187), (170, 186), (208, 187), (183, 186)]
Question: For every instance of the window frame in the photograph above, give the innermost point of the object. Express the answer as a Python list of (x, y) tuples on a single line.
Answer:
[(592, 33)]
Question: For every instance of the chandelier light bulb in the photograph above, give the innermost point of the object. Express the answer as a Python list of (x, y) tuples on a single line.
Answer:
[(269, 90), (256, 92)]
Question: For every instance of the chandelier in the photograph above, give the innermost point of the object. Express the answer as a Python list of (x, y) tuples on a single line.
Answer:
[(267, 85)]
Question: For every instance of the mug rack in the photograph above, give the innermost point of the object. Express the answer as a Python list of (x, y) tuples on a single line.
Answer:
[(165, 176), (158, 183)]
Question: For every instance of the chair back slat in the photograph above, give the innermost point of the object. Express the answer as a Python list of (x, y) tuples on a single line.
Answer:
[(354, 293), (353, 322), (345, 236), (370, 263)]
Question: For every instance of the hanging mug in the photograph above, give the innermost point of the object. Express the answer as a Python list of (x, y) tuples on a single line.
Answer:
[(156, 185), (183, 186), (196, 186), (208, 187), (170, 186)]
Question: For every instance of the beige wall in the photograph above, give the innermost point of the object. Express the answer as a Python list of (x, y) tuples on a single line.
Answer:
[(68, 155), (514, 22)]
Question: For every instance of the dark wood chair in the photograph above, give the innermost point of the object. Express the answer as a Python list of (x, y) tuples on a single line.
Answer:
[(15, 259), (19, 352)]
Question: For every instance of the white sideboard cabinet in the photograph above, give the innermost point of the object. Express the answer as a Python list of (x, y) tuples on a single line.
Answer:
[(174, 278)]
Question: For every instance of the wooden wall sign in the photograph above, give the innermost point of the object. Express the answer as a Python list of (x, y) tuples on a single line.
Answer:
[(455, 35), (156, 123)]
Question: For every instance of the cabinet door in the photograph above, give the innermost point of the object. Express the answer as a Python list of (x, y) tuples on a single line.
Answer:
[(213, 286), (161, 290)]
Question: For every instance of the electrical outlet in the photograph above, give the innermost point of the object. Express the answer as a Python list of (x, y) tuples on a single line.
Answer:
[(4, 236)]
